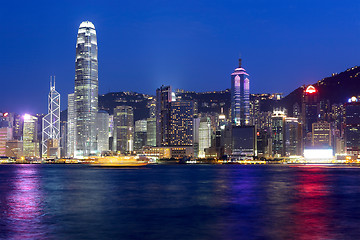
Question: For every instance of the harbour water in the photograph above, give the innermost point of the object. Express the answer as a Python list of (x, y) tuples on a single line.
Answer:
[(179, 202)]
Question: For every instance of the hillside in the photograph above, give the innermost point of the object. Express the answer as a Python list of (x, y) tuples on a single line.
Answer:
[(337, 88)]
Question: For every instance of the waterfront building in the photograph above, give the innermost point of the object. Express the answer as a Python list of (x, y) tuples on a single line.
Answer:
[(204, 133), (5, 135), (124, 129), (352, 127), (14, 149), (196, 126), (111, 133), (244, 143), (30, 138), (140, 134), (102, 127), (310, 109), (177, 152), (277, 133), (86, 90), (71, 126), (63, 138), (151, 132), (51, 125), (293, 137), (240, 99), (181, 123), (321, 134), (163, 100), (18, 126)]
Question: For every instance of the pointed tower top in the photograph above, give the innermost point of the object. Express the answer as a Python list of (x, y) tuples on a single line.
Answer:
[(239, 62)]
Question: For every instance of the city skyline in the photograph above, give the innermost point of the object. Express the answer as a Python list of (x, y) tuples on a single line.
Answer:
[(143, 60)]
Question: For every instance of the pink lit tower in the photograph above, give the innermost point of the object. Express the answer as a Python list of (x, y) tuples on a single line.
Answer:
[(240, 97)]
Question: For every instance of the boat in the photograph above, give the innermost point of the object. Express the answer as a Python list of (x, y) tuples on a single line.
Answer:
[(119, 161)]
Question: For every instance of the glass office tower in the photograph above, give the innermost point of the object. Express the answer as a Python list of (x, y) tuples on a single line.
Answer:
[(240, 97), (86, 90)]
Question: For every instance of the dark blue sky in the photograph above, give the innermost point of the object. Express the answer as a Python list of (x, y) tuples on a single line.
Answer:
[(192, 45)]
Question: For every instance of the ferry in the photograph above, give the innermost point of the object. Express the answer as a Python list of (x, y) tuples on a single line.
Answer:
[(119, 161)]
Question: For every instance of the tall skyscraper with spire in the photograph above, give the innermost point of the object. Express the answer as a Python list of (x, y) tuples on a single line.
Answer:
[(86, 90), (240, 97), (51, 124)]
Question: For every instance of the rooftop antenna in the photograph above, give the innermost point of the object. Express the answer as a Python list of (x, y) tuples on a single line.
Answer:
[(239, 60)]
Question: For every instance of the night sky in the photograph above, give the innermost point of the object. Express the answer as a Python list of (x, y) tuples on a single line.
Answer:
[(193, 45)]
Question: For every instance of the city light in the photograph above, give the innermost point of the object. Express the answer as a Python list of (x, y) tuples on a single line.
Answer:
[(27, 116), (310, 89)]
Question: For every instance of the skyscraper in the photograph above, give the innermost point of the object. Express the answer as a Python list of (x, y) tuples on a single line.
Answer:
[(30, 139), (102, 126), (124, 129), (151, 132), (181, 123), (71, 126), (277, 130), (51, 124), (292, 136), (86, 90), (240, 97), (310, 108), (140, 136), (321, 134), (163, 100), (204, 135), (352, 127)]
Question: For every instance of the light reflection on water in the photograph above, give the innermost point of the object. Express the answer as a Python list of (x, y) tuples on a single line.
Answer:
[(179, 202), (23, 212)]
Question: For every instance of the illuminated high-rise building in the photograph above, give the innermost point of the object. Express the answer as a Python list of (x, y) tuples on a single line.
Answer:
[(181, 123), (310, 107), (151, 132), (321, 134), (102, 126), (124, 129), (352, 127), (140, 134), (240, 97), (163, 100), (277, 132), (71, 126), (292, 136), (86, 90), (51, 125), (30, 139), (204, 135)]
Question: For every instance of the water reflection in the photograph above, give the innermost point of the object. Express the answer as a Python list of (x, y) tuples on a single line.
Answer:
[(24, 212), (313, 209)]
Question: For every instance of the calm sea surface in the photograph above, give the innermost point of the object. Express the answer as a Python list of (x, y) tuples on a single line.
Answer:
[(179, 202)]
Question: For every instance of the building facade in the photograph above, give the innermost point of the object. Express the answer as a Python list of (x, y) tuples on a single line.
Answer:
[(140, 137), (51, 125), (86, 90), (163, 100), (102, 127), (71, 126), (181, 123), (240, 97), (321, 134), (151, 132), (352, 127), (30, 138), (123, 129), (204, 135)]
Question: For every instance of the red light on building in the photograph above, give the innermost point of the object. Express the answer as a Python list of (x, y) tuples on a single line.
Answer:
[(6, 114), (310, 89)]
